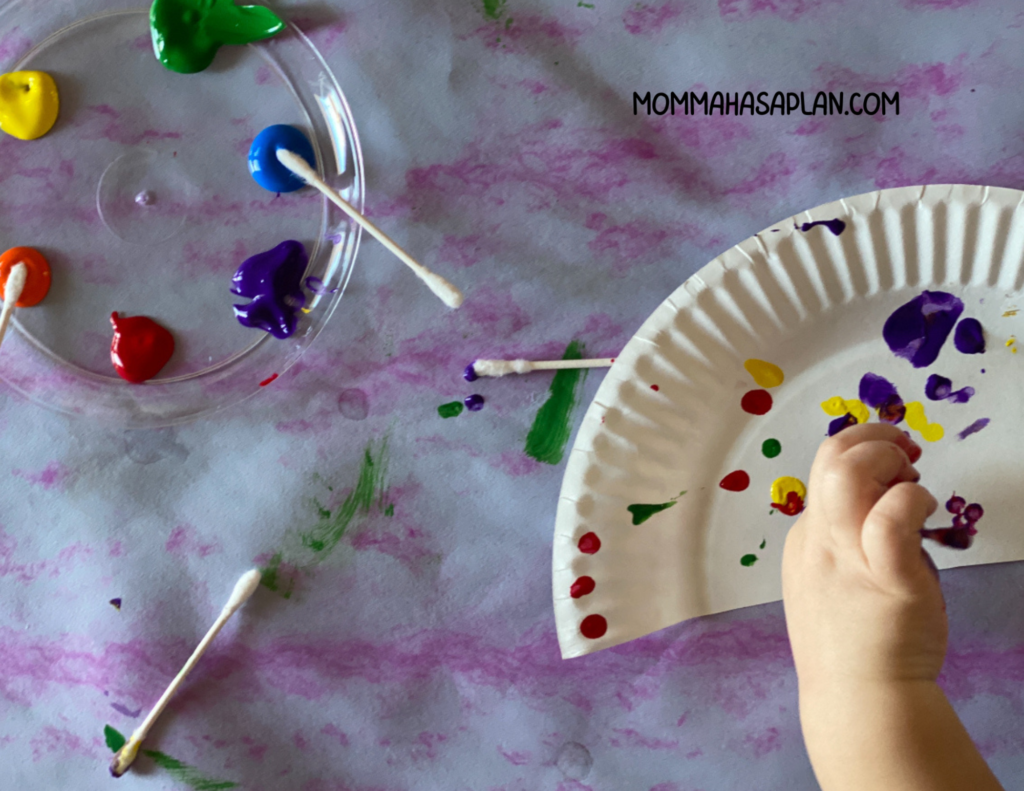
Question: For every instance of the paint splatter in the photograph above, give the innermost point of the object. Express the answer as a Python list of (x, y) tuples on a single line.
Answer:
[(553, 424), (122, 709), (181, 772), (756, 402), (939, 388), (917, 330), (589, 544), (880, 394), (840, 407), (974, 428), (766, 374), (116, 604), (474, 403), (764, 543), (1011, 343), (1012, 312), (748, 560), (959, 535), (583, 586), (451, 409), (836, 226), (268, 380), (771, 448), (641, 512), (917, 420), (735, 481), (969, 337), (594, 627), (788, 495), (655, 388)]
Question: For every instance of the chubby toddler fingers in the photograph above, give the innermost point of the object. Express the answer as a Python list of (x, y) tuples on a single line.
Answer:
[(891, 537), (865, 432)]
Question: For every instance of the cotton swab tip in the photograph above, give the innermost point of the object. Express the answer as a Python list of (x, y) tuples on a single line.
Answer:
[(15, 282), (296, 164), (496, 368), (125, 757), (244, 588)]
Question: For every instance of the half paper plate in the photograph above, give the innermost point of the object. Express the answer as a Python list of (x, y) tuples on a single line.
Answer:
[(633, 553)]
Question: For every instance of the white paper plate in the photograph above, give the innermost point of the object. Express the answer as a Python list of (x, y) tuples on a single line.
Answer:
[(813, 303)]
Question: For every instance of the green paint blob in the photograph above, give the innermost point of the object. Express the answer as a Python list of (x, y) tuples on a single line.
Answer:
[(771, 448), (553, 424), (451, 409), (390, 510), (115, 740), (493, 8), (187, 33), (748, 560), (641, 513), (764, 542)]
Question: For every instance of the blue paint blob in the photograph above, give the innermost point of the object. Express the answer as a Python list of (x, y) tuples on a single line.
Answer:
[(470, 374), (917, 330), (263, 165), (836, 226), (969, 337), (273, 281), (474, 403)]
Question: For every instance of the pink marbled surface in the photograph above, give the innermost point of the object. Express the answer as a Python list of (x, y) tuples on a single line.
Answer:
[(421, 653)]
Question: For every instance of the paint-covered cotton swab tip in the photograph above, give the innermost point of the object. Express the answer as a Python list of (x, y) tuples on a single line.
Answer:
[(244, 588), (444, 290), (12, 293), (496, 368)]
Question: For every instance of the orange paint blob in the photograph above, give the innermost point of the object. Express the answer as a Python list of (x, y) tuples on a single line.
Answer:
[(37, 284)]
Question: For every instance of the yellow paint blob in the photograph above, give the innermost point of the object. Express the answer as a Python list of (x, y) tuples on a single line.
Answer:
[(29, 104), (1008, 313), (765, 374), (837, 407), (789, 495), (1011, 344), (915, 417)]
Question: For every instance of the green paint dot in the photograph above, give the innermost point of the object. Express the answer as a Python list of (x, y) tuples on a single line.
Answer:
[(771, 448), (764, 541), (115, 740), (451, 409), (642, 512), (748, 560)]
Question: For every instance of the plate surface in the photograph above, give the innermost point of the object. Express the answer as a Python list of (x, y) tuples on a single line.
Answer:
[(813, 303), (127, 128)]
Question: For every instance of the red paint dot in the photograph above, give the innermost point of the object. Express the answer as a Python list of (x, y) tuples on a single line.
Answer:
[(582, 586), (589, 543), (757, 402), (735, 481), (655, 388), (268, 380), (613, 360), (594, 626)]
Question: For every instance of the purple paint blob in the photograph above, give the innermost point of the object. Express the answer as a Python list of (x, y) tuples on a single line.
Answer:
[(470, 374), (837, 226), (974, 428), (116, 603), (969, 338), (938, 388), (273, 281), (917, 330), (125, 710), (959, 535), (474, 403), (880, 394), (840, 423)]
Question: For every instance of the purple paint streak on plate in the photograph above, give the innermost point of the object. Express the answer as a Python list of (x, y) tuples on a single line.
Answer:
[(917, 330)]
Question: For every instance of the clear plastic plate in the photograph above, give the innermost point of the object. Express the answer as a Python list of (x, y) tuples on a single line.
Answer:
[(141, 199)]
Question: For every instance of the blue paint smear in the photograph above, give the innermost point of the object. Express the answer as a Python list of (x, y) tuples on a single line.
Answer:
[(917, 330), (969, 338)]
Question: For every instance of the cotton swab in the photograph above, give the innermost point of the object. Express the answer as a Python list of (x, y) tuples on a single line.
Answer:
[(12, 293), (244, 588), (444, 290), (496, 368)]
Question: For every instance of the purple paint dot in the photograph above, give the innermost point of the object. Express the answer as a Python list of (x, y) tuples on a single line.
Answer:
[(917, 330), (969, 338), (353, 404), (836, 226), (474, 403), (470, 373)]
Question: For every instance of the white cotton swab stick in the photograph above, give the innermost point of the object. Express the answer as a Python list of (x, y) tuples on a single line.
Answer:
[(444, 290), (12, 293), (497, 368), (244, 588)]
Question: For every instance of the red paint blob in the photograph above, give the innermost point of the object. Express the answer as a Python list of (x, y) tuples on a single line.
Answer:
[(655, 388), (589, 543), (735, 481), (794, 504), (268, 380), (757, 402), (582, 586), (613, 359), (140, 347), (594, 626)]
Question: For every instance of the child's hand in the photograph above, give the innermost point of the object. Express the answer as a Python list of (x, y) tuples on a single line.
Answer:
[(862, 598)]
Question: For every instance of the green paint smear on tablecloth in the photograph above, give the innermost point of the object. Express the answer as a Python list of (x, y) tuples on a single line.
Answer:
[(642, 512), (493, 8), (181, 772), (553, 424), (452, 409)]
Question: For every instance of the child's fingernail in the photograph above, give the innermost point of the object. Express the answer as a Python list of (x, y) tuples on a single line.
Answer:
[(915, 452)]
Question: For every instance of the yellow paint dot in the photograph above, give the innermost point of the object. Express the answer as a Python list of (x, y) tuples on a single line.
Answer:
[(29, 104), (916, 419), (306, 310), (837, 406), (766, 374)]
